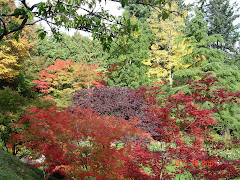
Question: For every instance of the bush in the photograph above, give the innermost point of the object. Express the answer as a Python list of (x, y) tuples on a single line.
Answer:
[(82, 144), (12, 105), (115, 101)]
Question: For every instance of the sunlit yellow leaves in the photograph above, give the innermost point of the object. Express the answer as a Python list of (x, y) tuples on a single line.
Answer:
[(136, 33), (147, 62), (13, 52), (166, 53), (7, 64)]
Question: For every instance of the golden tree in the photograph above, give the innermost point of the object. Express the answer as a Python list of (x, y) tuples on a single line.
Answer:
[(14, 50), (165, 53)]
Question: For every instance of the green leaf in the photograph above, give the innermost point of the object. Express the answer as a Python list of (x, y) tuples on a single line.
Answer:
[(170, 4), (42, 35), (30, 15)]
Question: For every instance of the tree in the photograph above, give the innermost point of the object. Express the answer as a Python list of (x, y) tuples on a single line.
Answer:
[(165, 53), (75, 47), (125, 67), (12, 105), (13, 52), (215, 11), (64, 13), (205, 59), (140, 12), (186, 135), (64, 78), (195, 35), (117, 102), (196, 32), (80, 144)]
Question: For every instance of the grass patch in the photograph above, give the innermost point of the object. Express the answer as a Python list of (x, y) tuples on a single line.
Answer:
[(12, 168)]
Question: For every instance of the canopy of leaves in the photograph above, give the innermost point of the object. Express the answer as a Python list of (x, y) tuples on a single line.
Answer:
[(165, 53), (13, 53), (63, 78), (214, 12), (14, 48), (77, 47), (185, 128), (82, 144), (141, 12), (125, 67), (12, 105), (65, 14), (115, 101), (196, 33)]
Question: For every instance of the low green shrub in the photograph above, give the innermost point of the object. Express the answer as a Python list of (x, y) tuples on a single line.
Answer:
[(11, 168)]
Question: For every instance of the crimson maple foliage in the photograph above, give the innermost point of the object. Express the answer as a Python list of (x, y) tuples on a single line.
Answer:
[(81, 144), (185, 127)]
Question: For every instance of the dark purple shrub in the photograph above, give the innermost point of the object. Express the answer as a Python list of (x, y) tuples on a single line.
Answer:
[(115, 101)]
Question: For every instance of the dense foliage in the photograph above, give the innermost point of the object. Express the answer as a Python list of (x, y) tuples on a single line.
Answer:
[(165, 53), (12, 168), (12, 105), (60, 80), (187, 135), (64, 14), (214, 12), (161, 103), (115, 101), (77, 47), (79, 145), (125, 67)]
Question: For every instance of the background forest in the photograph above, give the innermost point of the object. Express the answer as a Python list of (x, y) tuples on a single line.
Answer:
[(157, 101)]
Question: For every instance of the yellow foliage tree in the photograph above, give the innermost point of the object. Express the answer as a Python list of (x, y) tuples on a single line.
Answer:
[(165, 53), (12, 51)]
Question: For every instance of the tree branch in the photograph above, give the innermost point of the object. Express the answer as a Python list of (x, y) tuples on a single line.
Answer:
[(4, 25), (6, 32)]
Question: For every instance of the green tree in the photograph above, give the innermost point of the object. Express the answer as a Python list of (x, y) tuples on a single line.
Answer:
[(125, 67), (77, 47), (12, 106), (204, 59), (64, 13), (142, 13), (196, 35), (220, 15)]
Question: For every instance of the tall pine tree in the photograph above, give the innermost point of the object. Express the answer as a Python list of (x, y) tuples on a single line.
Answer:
[(220, 15)]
